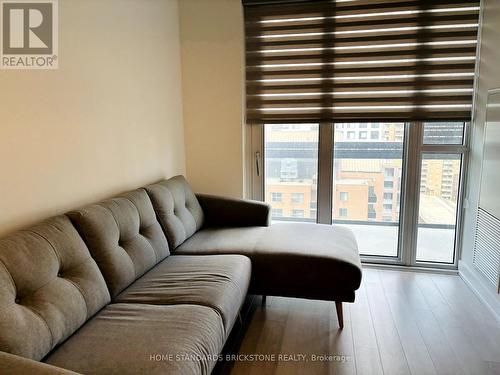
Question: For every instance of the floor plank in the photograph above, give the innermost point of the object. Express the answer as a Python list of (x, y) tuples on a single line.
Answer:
[(341, 343), (366, 349), (401, 323), (403, 310), (388, 340), (305, 329)]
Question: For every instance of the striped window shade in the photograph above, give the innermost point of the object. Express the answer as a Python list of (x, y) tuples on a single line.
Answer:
[(360, 60)]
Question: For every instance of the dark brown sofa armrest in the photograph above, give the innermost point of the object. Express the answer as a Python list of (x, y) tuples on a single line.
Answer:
[(231, 212), (13, 365)]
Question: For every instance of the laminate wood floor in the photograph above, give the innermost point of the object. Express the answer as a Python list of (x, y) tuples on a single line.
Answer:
[(401, 323)]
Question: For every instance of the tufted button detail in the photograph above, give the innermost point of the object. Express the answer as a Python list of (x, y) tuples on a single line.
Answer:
[(17, 301), (59, 274)]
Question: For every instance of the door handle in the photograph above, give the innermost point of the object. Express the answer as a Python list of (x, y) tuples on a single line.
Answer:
[(257, 163)]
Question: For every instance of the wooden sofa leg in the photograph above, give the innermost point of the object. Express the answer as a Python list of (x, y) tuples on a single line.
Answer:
[(340, 314), (264, 301)]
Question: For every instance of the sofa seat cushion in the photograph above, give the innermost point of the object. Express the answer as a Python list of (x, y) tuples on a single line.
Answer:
[(15, 365), (144, 339), (241, 240), (289, 259), (218, 281)]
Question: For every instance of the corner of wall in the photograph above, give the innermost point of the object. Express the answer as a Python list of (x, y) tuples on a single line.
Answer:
[(212, 56)]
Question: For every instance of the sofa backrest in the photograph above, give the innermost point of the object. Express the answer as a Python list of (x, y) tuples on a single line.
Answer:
[(49, 287), (123, 236), (177, 209)]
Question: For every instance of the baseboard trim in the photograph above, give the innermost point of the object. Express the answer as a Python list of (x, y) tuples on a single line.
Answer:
[(480, 289), (410, 269)]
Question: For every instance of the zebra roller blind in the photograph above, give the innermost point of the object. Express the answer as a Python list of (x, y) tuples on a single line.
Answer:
[(360, 60)]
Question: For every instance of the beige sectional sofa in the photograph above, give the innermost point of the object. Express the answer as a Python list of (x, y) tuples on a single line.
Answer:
[(153, 281)]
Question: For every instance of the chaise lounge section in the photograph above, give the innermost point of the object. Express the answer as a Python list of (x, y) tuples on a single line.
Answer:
[(153, 281), (288, 259)]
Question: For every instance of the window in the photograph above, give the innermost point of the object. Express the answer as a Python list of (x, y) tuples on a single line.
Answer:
[(291, 168), (445, 133), (389, 172), (298, 197), (360, 169), (276, 197), (372, 214), (276, 212), (367, 184), (437, 213), (394, 117), (372, 197)]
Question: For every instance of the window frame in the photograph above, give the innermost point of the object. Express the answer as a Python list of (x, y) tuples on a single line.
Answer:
[(413, 149)]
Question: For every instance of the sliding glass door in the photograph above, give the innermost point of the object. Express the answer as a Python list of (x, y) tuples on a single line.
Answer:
[(397, 186), (442, 153)]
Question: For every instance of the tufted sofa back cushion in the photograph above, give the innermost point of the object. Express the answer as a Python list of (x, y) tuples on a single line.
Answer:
[(124, 237), (177, 208), (49, 287)]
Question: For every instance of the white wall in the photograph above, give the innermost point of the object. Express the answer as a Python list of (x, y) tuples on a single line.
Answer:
[(109, 120), (489, 78), (213, 94)]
